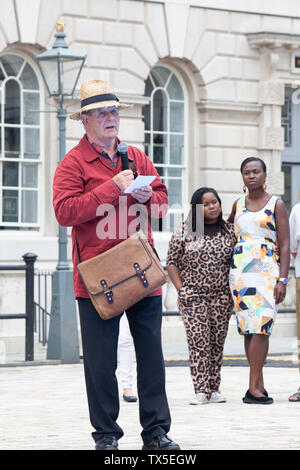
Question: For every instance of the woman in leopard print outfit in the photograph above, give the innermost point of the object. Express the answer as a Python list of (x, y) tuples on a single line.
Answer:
[(198, 263)]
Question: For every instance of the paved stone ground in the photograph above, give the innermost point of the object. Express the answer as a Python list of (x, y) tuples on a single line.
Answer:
[(45, 408)]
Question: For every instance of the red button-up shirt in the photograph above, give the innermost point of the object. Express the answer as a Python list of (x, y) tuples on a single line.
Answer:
[(86, 198)]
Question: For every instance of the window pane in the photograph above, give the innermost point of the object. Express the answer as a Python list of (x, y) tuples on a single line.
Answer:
[(176, 117), (175, 172), (159, 148), (29, 79), (148, 87), (2, 76), (161, 170), (159, 111), (286, 121), (174, 89), (174, 190), (172, 221), (29, 175), (31, 106), (12, 64), (31, 143), (12, 103), (29, 206), (69, 71), (160, 75), (49, 69), (164, 135), (20, 94), (176, 149), (146, 114), (10, 206), (287, 196), (12, 142), (10, 175)]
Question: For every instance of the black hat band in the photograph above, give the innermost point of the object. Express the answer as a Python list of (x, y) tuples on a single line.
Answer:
[(99, 98)]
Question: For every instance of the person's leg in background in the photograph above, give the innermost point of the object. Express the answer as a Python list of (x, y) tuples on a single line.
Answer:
[(145, 320), (126, 359), (296, 396)]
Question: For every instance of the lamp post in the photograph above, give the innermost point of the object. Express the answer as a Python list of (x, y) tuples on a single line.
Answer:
[(60, 68)]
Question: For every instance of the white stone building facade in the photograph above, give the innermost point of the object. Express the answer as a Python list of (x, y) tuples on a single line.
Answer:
[(211, 81)]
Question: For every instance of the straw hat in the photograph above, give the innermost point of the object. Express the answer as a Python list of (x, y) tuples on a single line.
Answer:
[(96, 94)]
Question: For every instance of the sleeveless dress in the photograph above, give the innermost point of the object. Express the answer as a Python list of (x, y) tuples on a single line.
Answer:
[(254, 268)]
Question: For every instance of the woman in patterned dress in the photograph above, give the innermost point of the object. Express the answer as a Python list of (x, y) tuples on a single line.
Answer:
[(198, 266), (257, 279)]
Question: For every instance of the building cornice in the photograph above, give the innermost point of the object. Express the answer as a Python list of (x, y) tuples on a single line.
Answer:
[(204, 105), (273, 40)]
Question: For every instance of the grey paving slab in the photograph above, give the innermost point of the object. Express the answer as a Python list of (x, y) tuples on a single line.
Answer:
[(45, 408)]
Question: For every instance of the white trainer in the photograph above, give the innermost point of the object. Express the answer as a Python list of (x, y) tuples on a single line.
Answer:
[(199, 399), (217, 397)]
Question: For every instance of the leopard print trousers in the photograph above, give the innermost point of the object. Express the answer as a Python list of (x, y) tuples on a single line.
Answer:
[(206, 322)]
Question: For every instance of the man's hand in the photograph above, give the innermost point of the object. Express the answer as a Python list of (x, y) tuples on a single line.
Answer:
[(124, 179), (142, 195)]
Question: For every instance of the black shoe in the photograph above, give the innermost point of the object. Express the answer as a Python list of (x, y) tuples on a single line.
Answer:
[(249, 398), (161, 443), (264, 392), (129, 398), (107, 443)]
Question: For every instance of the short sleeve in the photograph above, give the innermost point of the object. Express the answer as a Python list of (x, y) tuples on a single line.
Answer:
[(230, 228), (176, 247)]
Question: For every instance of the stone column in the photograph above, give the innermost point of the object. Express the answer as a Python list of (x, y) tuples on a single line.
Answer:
[(271, 134)]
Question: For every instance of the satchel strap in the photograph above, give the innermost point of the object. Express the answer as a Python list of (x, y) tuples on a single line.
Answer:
[(107, 292), (141, 274)]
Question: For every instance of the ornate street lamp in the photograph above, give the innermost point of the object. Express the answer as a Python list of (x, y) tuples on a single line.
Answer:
[(60, 68)]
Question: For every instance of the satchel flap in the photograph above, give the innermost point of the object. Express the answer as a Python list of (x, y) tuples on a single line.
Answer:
[(115, 265)]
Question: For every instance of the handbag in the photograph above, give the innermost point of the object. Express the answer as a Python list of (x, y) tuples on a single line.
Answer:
[(121, 276)]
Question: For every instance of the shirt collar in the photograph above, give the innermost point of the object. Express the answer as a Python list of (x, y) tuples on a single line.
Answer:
[(92, 154)]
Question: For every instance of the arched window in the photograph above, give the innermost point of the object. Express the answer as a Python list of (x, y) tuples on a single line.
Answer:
[(164, 119), (19, 144)]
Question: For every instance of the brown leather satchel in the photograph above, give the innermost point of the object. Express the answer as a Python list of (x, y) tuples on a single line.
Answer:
[(121, 276)]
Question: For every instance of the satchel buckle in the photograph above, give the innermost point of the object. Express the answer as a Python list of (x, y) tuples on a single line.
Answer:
[(107, 292), (141, 274)]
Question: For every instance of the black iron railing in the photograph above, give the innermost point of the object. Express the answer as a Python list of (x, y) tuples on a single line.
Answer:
[(28, 316)]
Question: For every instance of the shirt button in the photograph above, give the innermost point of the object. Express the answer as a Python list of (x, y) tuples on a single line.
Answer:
[(113, 194)]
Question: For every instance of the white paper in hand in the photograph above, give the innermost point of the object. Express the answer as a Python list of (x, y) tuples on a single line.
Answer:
[(139, 183)]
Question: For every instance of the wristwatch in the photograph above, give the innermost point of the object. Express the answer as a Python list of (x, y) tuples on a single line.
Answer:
[(283, 279)]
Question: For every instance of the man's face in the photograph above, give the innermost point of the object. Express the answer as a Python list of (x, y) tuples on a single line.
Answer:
[(104, 123)]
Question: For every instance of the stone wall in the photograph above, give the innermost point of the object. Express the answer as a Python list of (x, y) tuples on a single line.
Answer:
[(233, 73)]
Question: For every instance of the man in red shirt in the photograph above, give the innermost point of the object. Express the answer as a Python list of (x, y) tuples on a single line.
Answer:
[(88, 194)]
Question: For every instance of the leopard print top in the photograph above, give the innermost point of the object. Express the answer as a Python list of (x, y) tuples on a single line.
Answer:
[(204, 263)]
